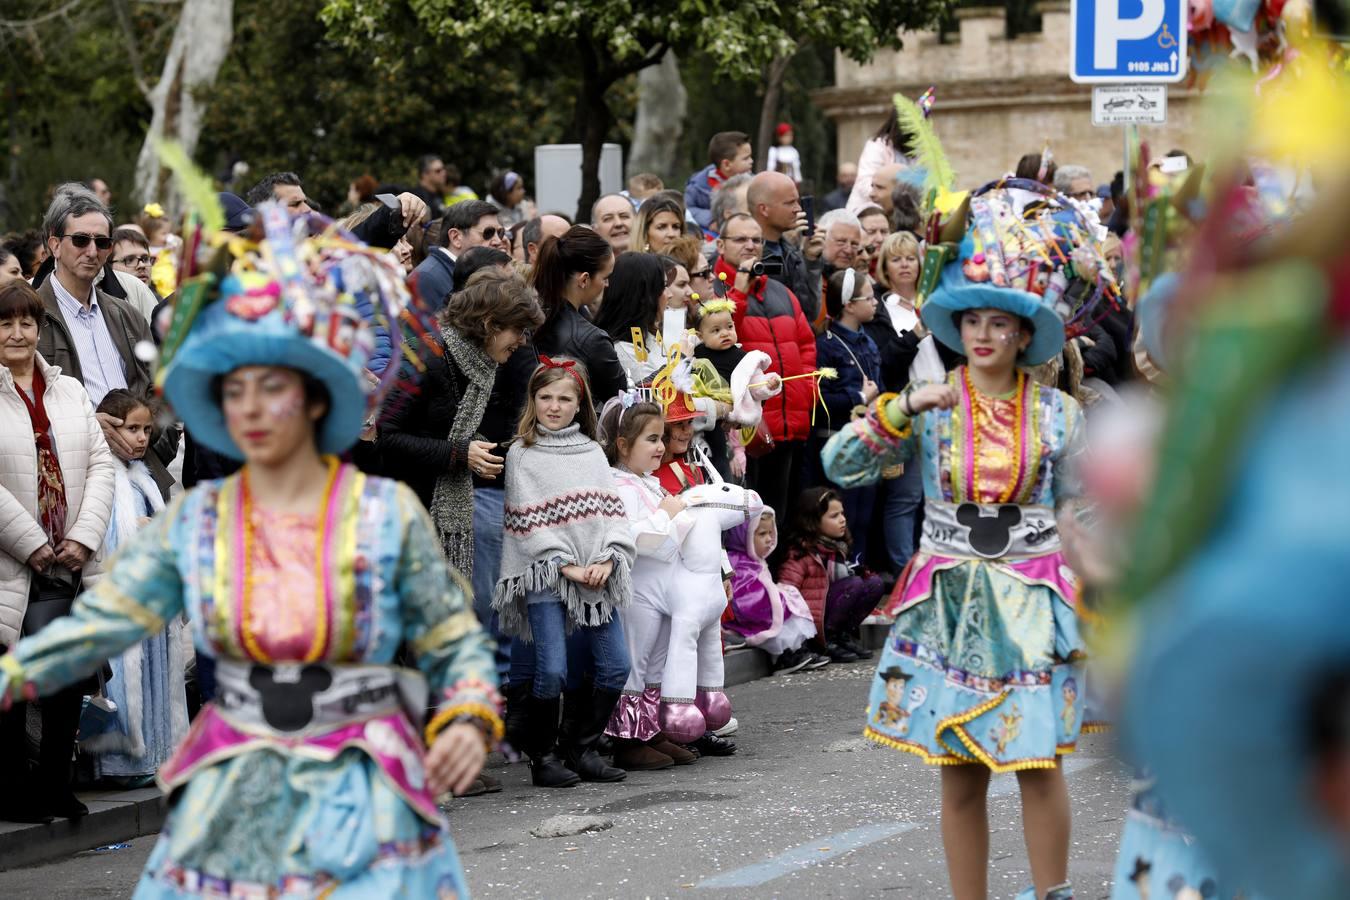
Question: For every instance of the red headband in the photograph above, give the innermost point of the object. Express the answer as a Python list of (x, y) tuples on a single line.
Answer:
[(568, 366)]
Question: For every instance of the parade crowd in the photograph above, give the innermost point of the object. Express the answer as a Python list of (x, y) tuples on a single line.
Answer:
[(629, 434)]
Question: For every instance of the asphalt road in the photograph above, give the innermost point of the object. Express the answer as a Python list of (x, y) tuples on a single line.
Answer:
[(806, 809)]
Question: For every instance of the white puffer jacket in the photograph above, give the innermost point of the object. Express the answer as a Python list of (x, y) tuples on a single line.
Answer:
[(86, 464)]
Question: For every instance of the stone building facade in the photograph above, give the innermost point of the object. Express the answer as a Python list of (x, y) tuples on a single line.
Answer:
[(996, 98)]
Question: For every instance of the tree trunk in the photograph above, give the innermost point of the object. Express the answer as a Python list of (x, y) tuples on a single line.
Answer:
[(662, 102), (200, 44), (593, 120), (768, 110)]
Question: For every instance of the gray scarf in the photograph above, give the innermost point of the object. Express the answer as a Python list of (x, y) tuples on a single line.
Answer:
[(452, 501)]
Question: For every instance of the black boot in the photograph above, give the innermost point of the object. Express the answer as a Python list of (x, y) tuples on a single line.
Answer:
[(517, 720), (585, 715), (546, 769), (60, 722)]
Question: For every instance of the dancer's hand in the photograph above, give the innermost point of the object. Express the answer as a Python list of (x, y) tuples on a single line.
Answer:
[(931, 396), (455, 759)]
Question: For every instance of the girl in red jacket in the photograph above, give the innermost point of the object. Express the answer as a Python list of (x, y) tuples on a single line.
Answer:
[(817, 566)]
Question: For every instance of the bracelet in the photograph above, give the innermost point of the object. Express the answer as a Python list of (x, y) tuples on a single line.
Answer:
[(883, 420)]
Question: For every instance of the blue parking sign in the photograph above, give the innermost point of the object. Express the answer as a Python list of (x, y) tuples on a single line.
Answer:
[(1133, 41)]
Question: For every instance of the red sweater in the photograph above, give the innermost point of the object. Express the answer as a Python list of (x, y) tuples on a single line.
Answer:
[(770, 319)]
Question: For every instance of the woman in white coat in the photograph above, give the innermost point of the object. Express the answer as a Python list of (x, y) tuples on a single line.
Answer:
[(56, 489)]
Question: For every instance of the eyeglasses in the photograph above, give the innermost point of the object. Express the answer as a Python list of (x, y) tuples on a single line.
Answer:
[(80, 241), (705, 273), (134, 261)]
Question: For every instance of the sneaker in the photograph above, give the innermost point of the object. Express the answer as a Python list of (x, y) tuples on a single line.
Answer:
[(790, 661), (728, 729), (879, 618), (731, 640), (816, 661)]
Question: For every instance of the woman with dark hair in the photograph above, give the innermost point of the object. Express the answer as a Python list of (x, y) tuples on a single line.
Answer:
[(890, 145), (660, 223), (570, 274), (56, 494), (11, 268), (507, 193), (635, 299)]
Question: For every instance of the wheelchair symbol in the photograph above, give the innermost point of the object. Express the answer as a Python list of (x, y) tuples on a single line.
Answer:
[(1165, 39)]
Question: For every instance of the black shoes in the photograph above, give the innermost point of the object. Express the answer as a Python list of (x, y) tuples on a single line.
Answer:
[(546, 768), (712, 745), (790, 661), (585, 714), (839, 653)]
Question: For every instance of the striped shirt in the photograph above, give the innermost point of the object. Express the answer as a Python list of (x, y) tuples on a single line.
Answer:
[(102, 366)]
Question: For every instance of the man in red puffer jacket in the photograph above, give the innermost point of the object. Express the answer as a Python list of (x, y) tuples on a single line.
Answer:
[(769, 318)]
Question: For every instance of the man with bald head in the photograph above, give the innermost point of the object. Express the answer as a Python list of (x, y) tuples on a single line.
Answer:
[(612, 218), (540, 229), (775, 204), (883, 182)]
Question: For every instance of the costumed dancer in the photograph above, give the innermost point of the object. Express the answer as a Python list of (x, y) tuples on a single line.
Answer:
[(302, 577), (148, 678), (986, 634), (773, 617), (567, 560)]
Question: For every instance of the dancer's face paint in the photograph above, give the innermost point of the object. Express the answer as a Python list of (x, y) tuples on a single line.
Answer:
[(992, 339), (266, 412)]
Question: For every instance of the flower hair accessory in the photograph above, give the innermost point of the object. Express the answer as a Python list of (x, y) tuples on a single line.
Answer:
[(716, 306), (567, 365), (153, 210)]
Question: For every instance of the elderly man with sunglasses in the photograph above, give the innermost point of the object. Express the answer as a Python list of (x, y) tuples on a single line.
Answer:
[(91, 335)]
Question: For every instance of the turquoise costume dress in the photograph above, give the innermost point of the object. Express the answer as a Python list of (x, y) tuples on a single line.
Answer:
[(259, 807), (984, 663)]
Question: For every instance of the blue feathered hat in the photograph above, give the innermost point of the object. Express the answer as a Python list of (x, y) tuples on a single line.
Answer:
[(1029, 251), (306, 301)]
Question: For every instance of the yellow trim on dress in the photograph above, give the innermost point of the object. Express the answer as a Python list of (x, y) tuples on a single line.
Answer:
[(344, 572), (452, 629), (128, 606)]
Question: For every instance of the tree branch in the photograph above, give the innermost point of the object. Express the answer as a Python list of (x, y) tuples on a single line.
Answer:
[(615, 72), (133, 50), (59, 12)]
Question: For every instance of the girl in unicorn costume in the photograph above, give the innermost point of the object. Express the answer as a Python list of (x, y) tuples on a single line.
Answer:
[(312, 773), (673, 624)]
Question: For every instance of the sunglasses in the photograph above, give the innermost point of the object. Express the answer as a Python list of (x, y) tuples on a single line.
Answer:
[(492, 231), (704, 273), (82, 240), (133, 260)]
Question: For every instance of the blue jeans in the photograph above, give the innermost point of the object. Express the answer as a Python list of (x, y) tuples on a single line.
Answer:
[(904, 496), (487, 561), (555, 660), (858, 505)]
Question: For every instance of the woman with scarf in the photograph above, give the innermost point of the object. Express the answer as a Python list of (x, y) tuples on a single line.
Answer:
[(56, 491)]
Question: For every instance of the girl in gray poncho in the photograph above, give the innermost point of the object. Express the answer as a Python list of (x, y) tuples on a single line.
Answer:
[(567, 560)]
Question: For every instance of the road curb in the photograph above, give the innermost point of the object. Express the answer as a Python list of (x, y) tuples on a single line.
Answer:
[(114, 817)]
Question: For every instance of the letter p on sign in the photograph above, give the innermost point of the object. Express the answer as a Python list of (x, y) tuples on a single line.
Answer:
[(1112, 28)]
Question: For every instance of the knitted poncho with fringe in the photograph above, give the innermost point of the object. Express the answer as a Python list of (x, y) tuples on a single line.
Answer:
[(561, 509)]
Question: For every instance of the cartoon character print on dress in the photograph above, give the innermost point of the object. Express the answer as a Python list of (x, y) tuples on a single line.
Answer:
[(891, 712), (1069, 714), (288, 692), (1180, 890), (1008, 728), (990, 536)]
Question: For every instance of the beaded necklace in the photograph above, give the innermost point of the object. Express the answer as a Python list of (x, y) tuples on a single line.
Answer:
[(977, 423), (245, 585)]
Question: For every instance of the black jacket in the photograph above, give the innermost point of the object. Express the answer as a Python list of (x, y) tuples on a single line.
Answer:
[(572, 334), (414, 445), (798, 276)]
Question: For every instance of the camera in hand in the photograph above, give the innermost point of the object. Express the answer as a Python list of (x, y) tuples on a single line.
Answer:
[(767, 267)]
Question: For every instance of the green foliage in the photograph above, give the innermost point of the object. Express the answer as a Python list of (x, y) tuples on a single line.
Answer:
[(738, 38), (290, 98), (69, 104)]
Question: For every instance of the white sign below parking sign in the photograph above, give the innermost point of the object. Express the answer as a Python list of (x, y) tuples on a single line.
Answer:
[(1129, 104)]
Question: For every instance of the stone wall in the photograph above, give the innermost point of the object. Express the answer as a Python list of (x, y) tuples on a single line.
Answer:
[(996, 98)]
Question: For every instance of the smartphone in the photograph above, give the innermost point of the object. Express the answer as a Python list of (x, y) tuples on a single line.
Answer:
[(388, 200), (809, 207)]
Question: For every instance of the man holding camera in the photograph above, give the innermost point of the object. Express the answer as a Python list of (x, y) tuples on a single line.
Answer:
[(769, 318), (775, 204)]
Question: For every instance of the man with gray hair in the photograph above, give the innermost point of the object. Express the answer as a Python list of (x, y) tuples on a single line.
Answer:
[(1075, 182), (91, 335), (843, 239)]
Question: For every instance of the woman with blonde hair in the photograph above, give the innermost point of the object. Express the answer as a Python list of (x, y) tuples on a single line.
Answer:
[(660, 223)]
